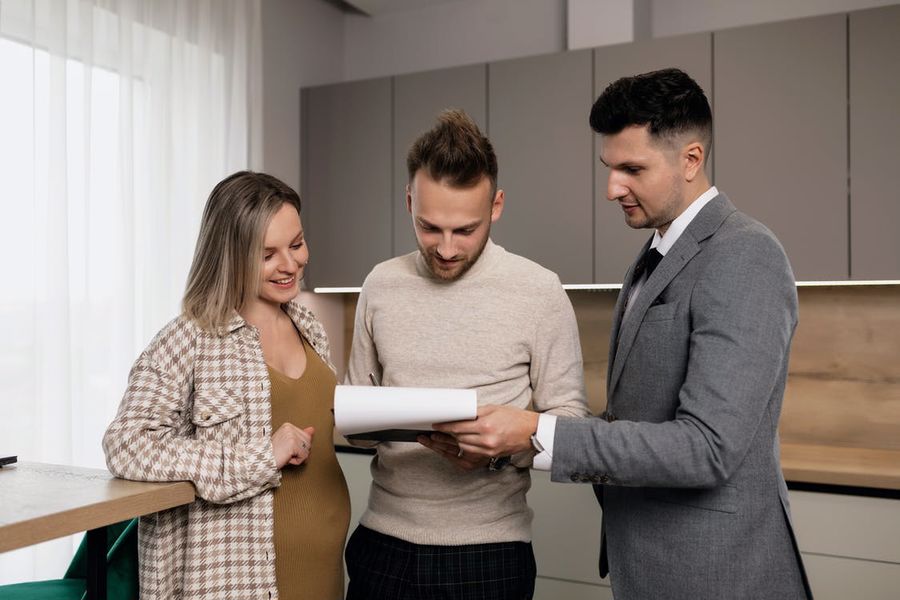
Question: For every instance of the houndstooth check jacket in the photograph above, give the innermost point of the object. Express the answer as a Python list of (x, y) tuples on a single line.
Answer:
[(197, 408)]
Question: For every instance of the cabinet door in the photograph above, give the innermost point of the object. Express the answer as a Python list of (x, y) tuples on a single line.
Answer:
[(874, 131), (346, 180), (780, 127), (418, 98), (538, 111), (615, 244)]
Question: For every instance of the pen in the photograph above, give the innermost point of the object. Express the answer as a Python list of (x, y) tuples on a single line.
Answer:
[(373, 379)]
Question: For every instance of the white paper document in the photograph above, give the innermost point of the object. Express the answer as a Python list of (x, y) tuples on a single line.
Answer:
[(365, 412)]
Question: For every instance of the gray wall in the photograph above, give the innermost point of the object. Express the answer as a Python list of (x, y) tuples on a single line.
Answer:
[(451, 34), (472, 31), (302, 45)]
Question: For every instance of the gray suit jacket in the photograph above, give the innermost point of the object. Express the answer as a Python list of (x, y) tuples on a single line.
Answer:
[(685, 460)]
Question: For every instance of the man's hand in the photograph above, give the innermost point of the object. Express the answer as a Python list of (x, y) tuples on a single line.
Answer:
[(497, 431), (292, 444), (446, 446)]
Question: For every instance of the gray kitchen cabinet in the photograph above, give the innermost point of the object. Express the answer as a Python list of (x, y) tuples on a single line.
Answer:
[(418, 98), (780, 132), (874, 133), (538, 122), (787, 148), (615, 244), (346, 179)]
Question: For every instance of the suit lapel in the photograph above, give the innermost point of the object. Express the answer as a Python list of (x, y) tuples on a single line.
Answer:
[(625, 330), (619, 309)]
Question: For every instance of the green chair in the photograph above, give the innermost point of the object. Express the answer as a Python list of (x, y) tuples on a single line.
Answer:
[(121, 571)]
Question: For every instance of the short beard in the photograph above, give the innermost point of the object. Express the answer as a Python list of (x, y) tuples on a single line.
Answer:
[(468, 263), (669, 210)]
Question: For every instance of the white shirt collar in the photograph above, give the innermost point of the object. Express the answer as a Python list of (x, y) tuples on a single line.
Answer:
[(676, 228)]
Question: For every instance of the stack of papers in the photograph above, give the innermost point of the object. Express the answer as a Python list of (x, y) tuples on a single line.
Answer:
[(399, 414)]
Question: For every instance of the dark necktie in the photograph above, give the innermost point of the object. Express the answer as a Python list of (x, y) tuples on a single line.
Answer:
[(647, 263), (650, 260)]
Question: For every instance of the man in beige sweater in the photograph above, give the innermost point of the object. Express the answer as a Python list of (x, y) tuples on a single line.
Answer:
[(461, 312)]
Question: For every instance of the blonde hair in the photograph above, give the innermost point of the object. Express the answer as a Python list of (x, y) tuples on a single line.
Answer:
[(227, 260)]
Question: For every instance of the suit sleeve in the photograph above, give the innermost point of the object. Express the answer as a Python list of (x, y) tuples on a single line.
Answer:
[(743, 313), (149, 439)]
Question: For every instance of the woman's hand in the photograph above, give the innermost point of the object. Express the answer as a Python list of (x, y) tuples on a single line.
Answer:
[(292, 444)]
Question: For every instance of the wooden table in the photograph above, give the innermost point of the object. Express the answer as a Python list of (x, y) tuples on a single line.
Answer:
[(40, 502)]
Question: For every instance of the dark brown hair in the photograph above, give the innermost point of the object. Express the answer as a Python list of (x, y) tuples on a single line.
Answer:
[(454, 149)]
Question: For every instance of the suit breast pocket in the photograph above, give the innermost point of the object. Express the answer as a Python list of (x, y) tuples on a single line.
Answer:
[(217, 414), (661, 312)]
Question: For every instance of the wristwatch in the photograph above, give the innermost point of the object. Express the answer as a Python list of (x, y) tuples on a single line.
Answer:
[(498, 462), (538, 447)]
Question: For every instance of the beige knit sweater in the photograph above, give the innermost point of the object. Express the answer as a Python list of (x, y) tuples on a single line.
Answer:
[(505, 329)]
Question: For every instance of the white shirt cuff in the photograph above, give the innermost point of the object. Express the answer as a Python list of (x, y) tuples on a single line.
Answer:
[(546, 431)]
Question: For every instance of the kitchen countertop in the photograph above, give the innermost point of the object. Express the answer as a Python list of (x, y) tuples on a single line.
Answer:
[(838, 465)]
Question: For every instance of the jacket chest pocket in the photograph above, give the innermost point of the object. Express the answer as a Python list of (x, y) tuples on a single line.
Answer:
[(661, 312), (218, 414)]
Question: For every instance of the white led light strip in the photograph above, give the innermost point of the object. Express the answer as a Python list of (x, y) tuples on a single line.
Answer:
[(604, 287)]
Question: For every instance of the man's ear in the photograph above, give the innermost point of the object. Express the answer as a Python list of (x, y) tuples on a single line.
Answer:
[(693, 155), (408, 200), (497, 206)]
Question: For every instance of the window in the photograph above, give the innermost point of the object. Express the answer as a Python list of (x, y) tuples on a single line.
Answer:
[(115, 123)]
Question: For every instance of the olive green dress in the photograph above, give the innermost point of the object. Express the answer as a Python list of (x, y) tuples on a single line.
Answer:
[(312, 505)]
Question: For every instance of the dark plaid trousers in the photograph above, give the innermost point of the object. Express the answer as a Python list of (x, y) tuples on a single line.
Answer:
[(386, 568)]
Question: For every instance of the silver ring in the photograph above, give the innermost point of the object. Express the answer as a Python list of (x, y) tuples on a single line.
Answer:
[(460, 453)]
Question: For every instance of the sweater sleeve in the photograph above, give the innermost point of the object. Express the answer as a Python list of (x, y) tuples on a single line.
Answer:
[(151, 437), (557, 369), (363, 354)]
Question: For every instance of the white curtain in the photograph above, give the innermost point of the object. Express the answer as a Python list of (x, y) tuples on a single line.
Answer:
[(116, 119)]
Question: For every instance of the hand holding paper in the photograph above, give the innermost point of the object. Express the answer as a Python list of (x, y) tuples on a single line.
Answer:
[(499, 431)]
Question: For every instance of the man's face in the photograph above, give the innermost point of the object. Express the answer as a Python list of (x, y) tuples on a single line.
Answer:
[(645, 178), (452, 224)]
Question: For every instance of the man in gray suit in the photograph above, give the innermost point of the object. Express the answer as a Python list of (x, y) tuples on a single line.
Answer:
[(685, 460)]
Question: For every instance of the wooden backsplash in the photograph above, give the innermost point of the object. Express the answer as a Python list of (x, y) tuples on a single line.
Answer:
[(844, 380)]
